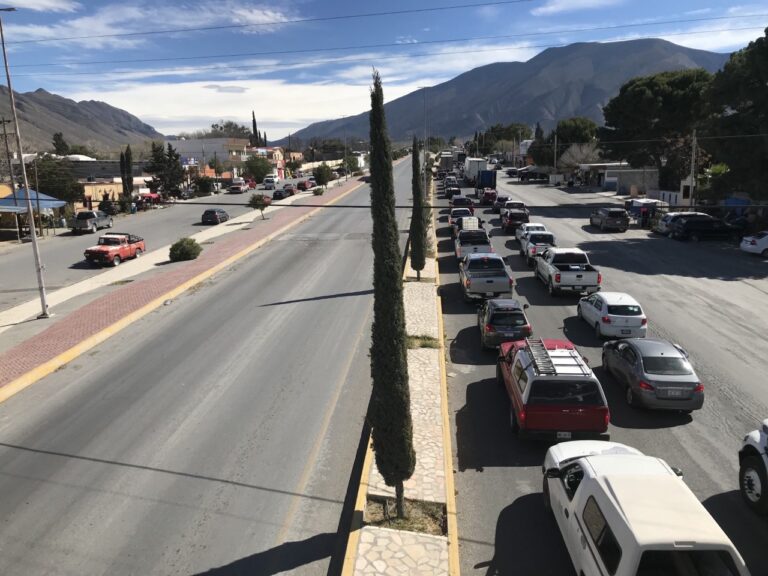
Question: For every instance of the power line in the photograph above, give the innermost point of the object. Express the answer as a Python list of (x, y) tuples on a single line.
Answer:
[(275, 22), (342, 60), (400, 45)]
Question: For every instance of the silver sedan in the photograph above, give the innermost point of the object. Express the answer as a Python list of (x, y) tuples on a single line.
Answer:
[(654, 373)]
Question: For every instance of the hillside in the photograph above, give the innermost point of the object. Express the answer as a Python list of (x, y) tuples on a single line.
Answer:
[(575, 80), (97, 125)]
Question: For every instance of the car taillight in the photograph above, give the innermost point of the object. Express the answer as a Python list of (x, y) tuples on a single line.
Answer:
[(528, 330), (467, 282), (599, 278), (645, 386), (644, 321), (511, 283), (557, 278), (490, 328), (753, 242), (698, 388), (605, 319), (521, 418), (607, 417), (533, 250)]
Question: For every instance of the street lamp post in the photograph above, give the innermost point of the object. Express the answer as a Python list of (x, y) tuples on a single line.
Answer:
[(35, 248)]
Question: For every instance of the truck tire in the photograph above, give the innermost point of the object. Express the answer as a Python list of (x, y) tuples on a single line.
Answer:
[(545, 494), (513, 420), (753, 484), (116, 261), (138, 252), (602, 227), (629, 396), (110, 223), (499, 376), (551, 288), (94, 228), (694, 238), (598, 332)]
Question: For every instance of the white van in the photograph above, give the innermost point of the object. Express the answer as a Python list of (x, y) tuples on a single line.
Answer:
[(622, 513)]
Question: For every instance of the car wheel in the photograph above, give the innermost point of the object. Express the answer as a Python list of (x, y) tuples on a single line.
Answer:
[(764, 253), (753, 484), (598, 332), (629, 396), (529, 261), (116, 261), (551, 288), (545, 494), (622, 230), (694, 237), (110, 223), (94, 229), (138, 253), (578, 311), (602, 227), (522, 254), (499, 376)]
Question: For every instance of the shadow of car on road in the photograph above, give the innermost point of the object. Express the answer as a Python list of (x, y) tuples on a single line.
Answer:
[(528, 542), (483, 435), (536, 294), (83, 265), (579, 332), (631, 417), (466, 348), (747, 530)]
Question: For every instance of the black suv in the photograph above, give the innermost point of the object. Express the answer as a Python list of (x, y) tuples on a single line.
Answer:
[(696, 229)]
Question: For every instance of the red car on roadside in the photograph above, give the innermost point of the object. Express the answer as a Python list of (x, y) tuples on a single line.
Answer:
[(304, 185)]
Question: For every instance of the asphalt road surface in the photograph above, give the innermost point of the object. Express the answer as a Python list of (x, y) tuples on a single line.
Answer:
[(214, 436), (708, 297), (62, 255)]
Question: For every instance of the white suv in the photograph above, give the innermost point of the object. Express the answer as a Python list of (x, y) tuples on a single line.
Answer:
[(269, 183), (753, 469)]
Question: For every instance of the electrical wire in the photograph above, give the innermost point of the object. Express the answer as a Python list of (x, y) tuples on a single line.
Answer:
[(401, 45), (274, 22)]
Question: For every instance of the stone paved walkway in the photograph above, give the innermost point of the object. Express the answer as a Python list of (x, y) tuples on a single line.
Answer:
[(395, 552), (420, 314)]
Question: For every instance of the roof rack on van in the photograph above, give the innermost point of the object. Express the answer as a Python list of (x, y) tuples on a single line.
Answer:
[(566, 360)]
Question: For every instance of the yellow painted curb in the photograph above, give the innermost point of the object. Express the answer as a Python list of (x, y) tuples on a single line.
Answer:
[(43, 370), (454, 568), (350, 554)]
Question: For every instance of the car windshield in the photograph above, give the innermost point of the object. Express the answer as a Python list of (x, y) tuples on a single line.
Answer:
[(666, 365), (461, 212), (624, 310), (565, 392), (461, 200), (541, 239), (106, 241), (508, 318), (486, 264)]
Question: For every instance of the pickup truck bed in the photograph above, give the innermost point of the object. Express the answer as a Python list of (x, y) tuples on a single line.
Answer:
[(484, 276)]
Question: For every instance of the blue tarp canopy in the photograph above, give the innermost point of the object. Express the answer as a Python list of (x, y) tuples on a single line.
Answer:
[(45, 202)]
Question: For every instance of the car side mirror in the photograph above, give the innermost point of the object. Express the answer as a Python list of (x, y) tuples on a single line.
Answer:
[(677, 471), (552, 473), (525, 306)]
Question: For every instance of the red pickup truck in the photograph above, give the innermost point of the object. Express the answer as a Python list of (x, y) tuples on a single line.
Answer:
[(551, 389), (115, 247)]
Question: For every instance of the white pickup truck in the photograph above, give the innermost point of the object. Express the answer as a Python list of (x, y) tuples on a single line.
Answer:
[(484, 276), (753, 469), (472, 242), (533, 244), (623, 513), (567, 270)]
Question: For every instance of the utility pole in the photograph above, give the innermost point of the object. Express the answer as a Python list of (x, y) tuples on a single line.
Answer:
[(555, 153), (693, 168), (10, 172), (37, 195), (35, 248)]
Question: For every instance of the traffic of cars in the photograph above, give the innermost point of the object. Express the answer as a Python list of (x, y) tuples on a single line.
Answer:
[(601, 493)]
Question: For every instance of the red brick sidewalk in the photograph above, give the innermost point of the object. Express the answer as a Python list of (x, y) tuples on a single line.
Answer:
[(87, 321)]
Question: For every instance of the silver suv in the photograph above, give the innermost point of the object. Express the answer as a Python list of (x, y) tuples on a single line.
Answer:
[(753, 469)]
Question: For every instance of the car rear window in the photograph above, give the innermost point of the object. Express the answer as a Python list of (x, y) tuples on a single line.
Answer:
[(687, 562), (666, 365), (209, 212), (570, 258), (473, 238), (583, 392), (617, 213), (508, 318), (624, 310), (541, 239), (84, 215), (461, 201), (486, 264), (515, 206)]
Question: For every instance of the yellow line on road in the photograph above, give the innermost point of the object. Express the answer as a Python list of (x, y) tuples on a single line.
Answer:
[(43, 370), (358, 516)]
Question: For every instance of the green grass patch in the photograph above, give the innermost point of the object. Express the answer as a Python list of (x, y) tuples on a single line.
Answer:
[(423, 342)]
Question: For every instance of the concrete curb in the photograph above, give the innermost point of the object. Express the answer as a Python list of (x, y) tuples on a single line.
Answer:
[(17, 385)]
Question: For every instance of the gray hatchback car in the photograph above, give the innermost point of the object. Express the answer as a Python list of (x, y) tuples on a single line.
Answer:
[(502, 320), (654, 373)]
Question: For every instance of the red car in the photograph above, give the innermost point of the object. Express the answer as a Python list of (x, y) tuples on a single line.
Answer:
[(488, 197), (462, 202), (304, 185), (551, 389)]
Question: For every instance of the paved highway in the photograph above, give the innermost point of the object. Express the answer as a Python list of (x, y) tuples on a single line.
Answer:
[(708, 297), (216, 435), (62, 255)]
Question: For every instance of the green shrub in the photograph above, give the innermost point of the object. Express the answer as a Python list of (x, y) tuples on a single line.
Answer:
[(185, 249), (318, 190)]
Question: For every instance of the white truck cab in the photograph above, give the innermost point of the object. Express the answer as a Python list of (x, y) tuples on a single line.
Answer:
[(622, 513), (753, 469)]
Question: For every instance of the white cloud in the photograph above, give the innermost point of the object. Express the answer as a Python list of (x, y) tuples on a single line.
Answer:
[(698, 12), (558, 6), (44, 5), (715, 41)]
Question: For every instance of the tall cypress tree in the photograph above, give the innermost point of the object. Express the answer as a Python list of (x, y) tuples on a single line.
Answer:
[(265, 139), (418, 217), (126, 171), (254, 130), (390, 410)]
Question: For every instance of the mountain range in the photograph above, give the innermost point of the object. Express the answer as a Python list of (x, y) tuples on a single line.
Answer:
[(97, 125), (558, 83)]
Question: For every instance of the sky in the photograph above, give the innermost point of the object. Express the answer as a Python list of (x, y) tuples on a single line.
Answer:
[(182, 65)]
